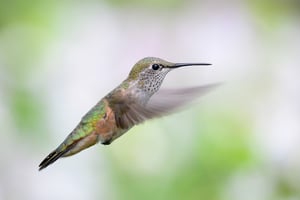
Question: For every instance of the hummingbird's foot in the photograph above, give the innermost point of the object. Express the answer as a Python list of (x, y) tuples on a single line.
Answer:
[(106, 142)]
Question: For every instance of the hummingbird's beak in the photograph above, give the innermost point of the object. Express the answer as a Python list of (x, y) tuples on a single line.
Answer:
[(176, 65)]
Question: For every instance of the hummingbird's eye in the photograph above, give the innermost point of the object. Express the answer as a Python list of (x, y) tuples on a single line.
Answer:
[(155, 66)]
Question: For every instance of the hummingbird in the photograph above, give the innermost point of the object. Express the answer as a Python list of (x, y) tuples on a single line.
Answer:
[(137, 99)]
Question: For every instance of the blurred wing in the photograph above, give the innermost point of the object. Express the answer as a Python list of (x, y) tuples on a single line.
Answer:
[(129, 113), (167, 101)]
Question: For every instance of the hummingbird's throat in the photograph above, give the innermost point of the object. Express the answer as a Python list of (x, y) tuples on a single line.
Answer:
[(151, 84)]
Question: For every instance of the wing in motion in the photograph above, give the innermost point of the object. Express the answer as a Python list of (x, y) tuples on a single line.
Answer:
[(129, 113)]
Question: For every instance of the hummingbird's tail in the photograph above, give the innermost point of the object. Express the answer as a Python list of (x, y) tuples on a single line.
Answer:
[(51, 158), (73, 144), (55, 155)]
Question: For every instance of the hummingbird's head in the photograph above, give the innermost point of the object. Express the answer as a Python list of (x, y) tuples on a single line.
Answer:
[(151, 71)]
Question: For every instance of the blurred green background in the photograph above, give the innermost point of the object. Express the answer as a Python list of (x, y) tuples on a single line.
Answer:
[(239, 142)]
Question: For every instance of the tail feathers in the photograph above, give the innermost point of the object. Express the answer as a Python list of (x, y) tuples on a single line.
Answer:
[(55, 155), (69, 147), (51, 158)]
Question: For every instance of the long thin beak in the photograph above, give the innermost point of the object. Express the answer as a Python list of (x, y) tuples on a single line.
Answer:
[(176, 65)]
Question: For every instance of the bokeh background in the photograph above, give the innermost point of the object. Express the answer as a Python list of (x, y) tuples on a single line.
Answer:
[(239, 142)]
